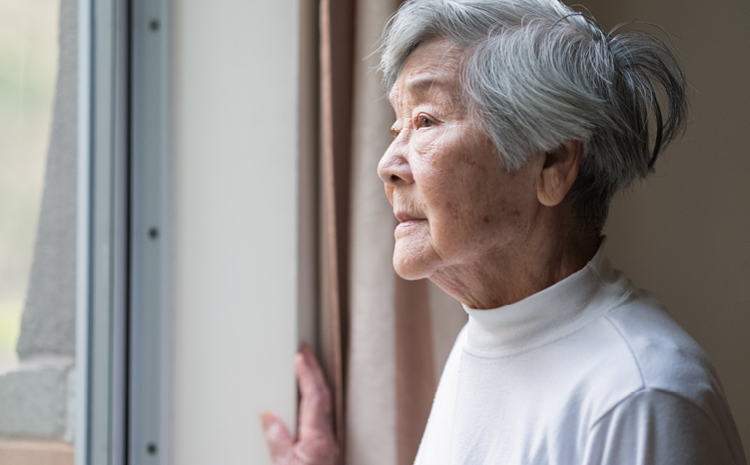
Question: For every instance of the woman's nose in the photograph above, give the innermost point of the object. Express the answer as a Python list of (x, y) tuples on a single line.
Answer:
[(394, 169)]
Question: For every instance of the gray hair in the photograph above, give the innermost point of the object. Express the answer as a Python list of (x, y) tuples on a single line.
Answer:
[(539, 74)]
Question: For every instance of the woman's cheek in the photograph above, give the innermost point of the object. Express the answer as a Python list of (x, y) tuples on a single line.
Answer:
[(423, 150)]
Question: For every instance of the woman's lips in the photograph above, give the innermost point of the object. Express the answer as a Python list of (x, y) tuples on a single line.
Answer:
[(405, 220), (402, 216), (409, 223)]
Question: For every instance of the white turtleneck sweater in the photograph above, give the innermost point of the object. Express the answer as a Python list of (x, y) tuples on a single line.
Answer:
[(590, 371)]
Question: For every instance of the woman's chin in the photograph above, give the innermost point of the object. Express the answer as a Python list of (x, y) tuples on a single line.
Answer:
[(409, 276), (412, 268)]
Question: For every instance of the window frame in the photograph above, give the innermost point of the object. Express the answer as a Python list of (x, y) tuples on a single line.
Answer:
[(126, 239), (123, 311), (102, 232)]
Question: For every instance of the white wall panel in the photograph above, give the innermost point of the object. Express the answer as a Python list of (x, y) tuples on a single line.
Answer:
[(236, 137)]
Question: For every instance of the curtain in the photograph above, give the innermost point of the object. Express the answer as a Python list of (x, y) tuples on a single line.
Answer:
[(384, 340)]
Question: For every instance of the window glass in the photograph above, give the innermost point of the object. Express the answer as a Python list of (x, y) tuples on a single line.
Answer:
[(37, 230), (28, 67)]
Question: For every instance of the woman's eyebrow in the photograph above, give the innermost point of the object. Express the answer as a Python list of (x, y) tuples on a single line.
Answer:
[(425, 83), (421, 86)]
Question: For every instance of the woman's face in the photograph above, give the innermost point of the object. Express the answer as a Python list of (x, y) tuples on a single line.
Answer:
[(455, 202)]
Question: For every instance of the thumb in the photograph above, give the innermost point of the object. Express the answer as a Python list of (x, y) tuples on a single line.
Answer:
[(279, 440)]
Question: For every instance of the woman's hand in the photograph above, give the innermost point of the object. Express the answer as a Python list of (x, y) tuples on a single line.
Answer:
[(316, 444)]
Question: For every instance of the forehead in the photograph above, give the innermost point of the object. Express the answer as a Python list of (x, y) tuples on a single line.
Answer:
[(432, 68)]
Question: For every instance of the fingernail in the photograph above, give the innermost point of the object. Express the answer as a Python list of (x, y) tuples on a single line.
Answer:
[(267, 419)]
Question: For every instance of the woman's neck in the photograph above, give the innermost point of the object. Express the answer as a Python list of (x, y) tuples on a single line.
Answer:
[(506, 276)]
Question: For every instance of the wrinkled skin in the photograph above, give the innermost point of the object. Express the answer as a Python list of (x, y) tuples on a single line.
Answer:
[(486, 236), (443, 170)]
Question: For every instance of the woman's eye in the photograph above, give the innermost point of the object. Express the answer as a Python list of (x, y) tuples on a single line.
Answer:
[(424, 121)]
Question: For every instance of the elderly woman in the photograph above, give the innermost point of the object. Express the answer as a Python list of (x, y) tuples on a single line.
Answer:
[(516, 122)]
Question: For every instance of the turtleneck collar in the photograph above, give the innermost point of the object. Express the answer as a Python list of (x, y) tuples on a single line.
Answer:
[(548, 315)]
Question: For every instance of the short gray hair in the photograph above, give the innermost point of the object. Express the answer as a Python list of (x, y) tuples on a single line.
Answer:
[(539, 74)]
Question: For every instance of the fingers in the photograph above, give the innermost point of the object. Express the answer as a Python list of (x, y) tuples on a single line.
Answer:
[(320, 378), (315, 408), (279, 441)]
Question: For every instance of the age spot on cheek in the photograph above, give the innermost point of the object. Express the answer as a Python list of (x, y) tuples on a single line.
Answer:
[(468, 159), (486, 220), (452, 210)]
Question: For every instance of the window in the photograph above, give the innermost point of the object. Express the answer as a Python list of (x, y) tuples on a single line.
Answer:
[(38, 82)]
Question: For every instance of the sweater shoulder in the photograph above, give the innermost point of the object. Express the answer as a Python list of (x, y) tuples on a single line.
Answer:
[(666, 358), (653, 426)]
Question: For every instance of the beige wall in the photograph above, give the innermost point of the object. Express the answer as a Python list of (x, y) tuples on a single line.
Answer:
[(685, 233)]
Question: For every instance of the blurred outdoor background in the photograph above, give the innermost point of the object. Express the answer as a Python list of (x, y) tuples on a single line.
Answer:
[(28, 68)]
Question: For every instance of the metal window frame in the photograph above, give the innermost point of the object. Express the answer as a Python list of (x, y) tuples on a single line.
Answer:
[(102, 254), (123, 314), (151, 334)]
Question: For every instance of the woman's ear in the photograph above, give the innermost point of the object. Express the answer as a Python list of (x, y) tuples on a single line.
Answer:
[(559, 172)]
